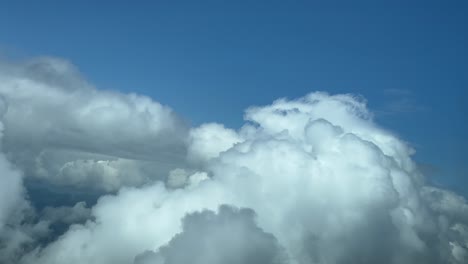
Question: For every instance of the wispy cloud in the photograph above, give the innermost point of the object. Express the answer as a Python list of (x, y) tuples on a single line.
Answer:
[(399, 101)]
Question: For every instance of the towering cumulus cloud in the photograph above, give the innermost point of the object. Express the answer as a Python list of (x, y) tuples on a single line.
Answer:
[(310, 180)]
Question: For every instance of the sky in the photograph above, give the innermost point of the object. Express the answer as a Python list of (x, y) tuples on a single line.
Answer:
[(131, 130), (407, 58)]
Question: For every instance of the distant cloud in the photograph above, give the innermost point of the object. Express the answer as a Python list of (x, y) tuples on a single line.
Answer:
[(61, 129), (15, 230), (398, 101), (397, 92)]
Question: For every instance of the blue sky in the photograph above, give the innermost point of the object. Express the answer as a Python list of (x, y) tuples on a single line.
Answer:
[(209, 60)]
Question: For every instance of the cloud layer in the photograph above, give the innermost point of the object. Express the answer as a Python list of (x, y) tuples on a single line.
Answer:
[(60, 128), (318, 180)]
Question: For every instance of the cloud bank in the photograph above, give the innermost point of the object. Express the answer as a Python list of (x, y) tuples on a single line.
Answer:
[(316, 181), (61, 129)]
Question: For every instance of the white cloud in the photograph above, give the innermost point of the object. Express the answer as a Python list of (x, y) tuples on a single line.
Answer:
[(209, 140), (327, 182)]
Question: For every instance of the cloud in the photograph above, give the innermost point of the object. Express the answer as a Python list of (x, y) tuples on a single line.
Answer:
[(397, 92), (66, 214), (11, 181), (11, 189), (12, 204), (61, 129), (229, 236), (208, 140), (446, 203), (319, 181), (326, 183), (15, 230), (400, 101)]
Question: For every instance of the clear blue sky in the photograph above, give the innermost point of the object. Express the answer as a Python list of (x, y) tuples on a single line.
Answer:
[(211, 59)]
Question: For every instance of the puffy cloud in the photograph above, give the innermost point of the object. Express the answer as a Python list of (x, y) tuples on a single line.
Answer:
[(447, 203), (451, 211), (324, 180), (229, 236), (326, 183), (126, 224), (182, 178), (60, 128), (209, 140)]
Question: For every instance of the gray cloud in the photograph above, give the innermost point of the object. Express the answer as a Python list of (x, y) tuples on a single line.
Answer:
[(16, 231), (60, 128), (229, 236), (66, 214)]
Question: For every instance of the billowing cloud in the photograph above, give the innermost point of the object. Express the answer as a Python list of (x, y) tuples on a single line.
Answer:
[(208, 140), (327, 184), (61, 129), (319, 181)]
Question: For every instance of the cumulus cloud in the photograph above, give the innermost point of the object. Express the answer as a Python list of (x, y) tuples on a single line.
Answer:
[(229, 236), (327, 184), (318, 180), (208, 140), (59, 128), (179, 178)]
